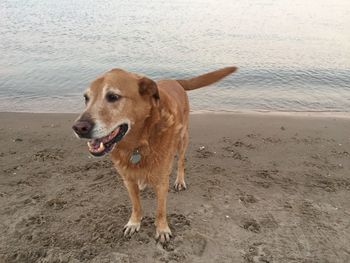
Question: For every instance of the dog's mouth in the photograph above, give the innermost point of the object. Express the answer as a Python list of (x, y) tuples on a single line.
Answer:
[(101, 146)]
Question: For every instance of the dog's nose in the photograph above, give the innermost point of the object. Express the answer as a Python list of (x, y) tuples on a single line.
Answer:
[(82, 128)]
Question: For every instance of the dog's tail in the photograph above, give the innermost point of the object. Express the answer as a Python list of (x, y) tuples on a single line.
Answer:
[(205, 79)]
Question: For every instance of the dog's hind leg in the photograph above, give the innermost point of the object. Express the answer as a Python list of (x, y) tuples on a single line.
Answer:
[(180, 178)]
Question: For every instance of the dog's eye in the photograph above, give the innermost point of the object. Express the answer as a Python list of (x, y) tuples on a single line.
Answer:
[(86, 99), (112, 97)]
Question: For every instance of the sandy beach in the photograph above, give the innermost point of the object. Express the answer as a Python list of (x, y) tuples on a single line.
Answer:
[(261, 188)]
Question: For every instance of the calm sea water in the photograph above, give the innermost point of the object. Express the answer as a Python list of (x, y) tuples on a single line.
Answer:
[(293, 55)]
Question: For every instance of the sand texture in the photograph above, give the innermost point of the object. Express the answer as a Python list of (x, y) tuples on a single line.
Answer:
[(261, 188)]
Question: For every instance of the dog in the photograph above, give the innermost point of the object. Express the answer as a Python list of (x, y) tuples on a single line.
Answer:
[(142, 124)]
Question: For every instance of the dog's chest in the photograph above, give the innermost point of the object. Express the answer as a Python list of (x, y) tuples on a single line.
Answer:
[(142, 164)]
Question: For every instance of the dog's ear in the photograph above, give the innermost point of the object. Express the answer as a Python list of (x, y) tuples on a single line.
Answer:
[(148, 87)]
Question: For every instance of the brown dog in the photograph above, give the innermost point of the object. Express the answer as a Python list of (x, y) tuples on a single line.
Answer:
[(143, 124)]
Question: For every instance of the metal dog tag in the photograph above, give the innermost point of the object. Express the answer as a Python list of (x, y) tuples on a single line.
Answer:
[(135, 157)]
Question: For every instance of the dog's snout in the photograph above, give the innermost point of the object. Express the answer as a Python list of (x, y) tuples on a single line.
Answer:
[(83, 128)]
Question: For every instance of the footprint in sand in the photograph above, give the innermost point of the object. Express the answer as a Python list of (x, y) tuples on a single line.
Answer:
[(257, 253), (251, 225)]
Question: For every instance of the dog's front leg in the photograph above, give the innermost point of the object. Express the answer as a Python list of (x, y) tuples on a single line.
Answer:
[(163, 232), (134, 223)]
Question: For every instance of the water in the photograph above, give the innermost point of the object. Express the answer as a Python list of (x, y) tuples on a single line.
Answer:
[(293, 55)]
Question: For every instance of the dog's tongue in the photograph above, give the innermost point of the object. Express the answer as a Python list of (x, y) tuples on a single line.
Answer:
[(95, 143), (96, 146)]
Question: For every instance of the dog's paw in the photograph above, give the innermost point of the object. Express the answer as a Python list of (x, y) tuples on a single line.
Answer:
[(131, 227), (180, 185), (163, 235)]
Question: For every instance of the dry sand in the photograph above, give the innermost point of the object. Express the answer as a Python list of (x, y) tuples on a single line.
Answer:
[(263, 189)]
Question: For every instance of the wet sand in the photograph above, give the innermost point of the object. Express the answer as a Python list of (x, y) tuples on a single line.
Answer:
[(261, 188)]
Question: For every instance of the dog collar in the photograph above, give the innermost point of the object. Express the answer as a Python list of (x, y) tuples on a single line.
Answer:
[(135, 156)]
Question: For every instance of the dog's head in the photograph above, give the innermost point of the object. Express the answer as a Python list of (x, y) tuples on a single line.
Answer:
[(115, 102)]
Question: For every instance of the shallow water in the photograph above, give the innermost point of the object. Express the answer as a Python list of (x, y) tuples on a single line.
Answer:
[(293, 55)]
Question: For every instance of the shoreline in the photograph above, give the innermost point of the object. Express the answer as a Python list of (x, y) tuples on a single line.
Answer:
[(278, 113)]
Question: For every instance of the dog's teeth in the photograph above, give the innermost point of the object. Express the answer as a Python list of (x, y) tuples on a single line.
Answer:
[(101, 148), (89, 145)]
